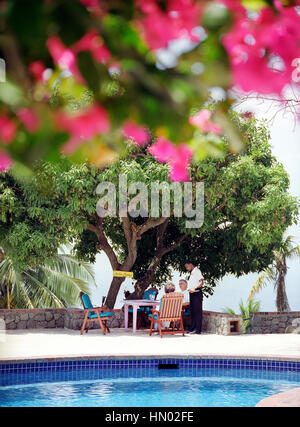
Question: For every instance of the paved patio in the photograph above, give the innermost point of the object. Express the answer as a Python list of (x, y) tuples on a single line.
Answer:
[(64, 343)]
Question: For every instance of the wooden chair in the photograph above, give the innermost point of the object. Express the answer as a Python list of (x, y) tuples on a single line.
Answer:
[(170, 310), (94, 314)]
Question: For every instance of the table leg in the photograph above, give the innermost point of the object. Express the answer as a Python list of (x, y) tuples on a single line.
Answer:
[(134, 318), (126, 316)]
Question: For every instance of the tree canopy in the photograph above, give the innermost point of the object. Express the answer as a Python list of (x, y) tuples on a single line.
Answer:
[(247, 208)]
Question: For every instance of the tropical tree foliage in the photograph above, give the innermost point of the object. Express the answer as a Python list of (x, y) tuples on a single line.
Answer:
[(276, 274), (55, 284)]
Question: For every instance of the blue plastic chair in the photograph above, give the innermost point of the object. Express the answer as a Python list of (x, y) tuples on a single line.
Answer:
[(94, 314)]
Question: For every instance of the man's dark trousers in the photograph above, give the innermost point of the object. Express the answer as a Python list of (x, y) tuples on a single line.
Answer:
[(196, 300)]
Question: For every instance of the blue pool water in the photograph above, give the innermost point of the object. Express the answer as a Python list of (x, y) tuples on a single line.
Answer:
[(119, 387)]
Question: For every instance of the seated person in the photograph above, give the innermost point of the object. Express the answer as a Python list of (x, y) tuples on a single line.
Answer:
[(169, 287), (183, 284)]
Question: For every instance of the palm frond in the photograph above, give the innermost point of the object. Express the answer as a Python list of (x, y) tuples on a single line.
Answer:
[(294, 252), (56, 284), (266, 276), (228, 310), (20, 294), (39, 293), (64, 286), (7, 272), (69, 265)]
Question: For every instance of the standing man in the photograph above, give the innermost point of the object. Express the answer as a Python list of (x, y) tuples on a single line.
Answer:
[(196, 297)]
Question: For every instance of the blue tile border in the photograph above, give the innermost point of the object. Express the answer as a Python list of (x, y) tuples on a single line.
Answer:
[(114, 363), (29, 373)]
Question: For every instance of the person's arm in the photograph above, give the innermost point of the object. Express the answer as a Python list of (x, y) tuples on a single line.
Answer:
[(201, 283)]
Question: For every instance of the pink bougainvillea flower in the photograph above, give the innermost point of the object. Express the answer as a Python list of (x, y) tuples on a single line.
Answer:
[(261, 49), (178, 157), (29, 119), (5, 161), (37, 69), (63, 57), (185, 15), (138, 134), (179, 172), (159, 26), (181, 154), (162, 149), (93, 42), (83, 126), (157, 30), (179, 163), (8, 130), (90, 3), (202, 121), (93, 6)]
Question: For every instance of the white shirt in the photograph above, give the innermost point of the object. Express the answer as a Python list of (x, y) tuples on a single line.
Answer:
[(186, 296), (195, 277)]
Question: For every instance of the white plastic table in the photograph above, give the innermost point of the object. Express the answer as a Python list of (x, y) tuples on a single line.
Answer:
[(136, 303)]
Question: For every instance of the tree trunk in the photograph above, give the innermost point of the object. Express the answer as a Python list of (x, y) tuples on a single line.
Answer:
[(113, 291), (117, 281), (281, 298), (143, 283)]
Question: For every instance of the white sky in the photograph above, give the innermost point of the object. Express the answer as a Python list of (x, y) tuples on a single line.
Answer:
[(285, 138)]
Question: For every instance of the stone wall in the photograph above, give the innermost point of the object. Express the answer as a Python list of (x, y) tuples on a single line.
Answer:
[(272, 322), (34, 318), (221, 323), (215, 323), (53, 318)]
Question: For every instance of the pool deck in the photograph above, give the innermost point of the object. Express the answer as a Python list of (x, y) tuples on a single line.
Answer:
[(52, 344), (287, 399)]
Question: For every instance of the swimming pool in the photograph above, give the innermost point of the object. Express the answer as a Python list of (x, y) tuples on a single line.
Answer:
[(145, 383)]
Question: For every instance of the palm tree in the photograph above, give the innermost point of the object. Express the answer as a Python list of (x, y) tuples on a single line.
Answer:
[(276, 274), (56, 284), (245, 311)]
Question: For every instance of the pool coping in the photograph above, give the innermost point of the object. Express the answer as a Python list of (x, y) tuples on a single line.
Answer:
[(286, 399)]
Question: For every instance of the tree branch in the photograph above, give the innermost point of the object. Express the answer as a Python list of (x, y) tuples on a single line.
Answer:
[(127, 229), (175, 244), (161, 229), (103, 242), (150, 223)]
